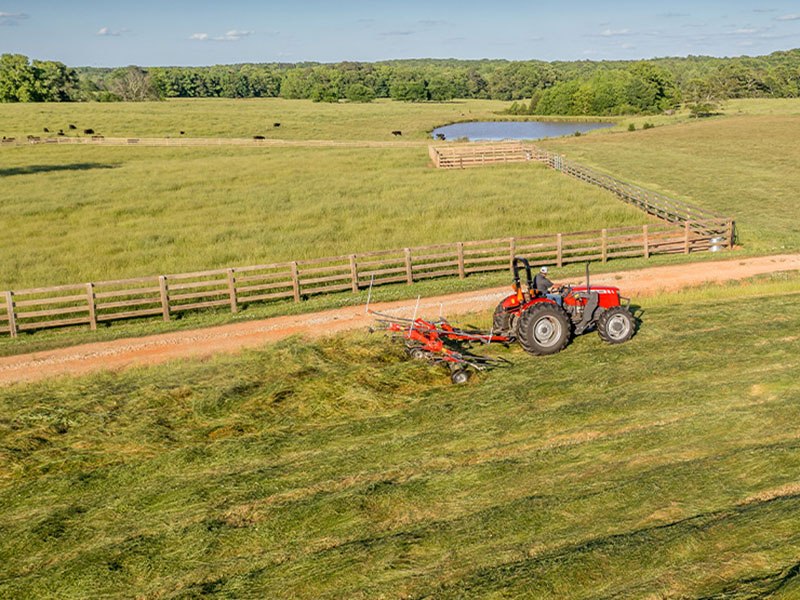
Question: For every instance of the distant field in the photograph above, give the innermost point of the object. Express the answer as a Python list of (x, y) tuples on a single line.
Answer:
[(73, 214), (666, 467), (217, 117), (743, 165)]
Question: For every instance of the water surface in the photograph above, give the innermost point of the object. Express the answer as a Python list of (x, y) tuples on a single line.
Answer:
[(514, 130)]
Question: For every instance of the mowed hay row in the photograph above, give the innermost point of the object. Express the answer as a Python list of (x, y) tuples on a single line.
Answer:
[(342, 469)]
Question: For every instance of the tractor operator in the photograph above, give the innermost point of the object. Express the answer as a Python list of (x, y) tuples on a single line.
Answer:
[(546, 288)]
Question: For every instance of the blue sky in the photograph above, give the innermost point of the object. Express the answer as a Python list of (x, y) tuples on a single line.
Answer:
[(179, 32)]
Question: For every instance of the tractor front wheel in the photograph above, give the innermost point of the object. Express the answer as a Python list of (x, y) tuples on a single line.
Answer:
[(544, 328), (616, 325)]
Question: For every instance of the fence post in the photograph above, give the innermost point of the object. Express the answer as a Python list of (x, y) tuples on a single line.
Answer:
[(461, 271), (646, 241), (604, 244), (731, 233), (686, 241), (295, 281), (162, 286), (12, 318), (354, 273), (559, 253), (232, 291), (90, 298), (513, 247), (409, 272)]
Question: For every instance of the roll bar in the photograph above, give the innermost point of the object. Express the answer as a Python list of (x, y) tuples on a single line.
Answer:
[(515, 265)]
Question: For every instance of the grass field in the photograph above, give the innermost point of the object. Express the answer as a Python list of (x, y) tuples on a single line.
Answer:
[(743, 165), (74, 214), (216, 117), (82, 214), (666, 467)]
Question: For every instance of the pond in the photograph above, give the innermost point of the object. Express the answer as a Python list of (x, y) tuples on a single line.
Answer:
[(514, 130)]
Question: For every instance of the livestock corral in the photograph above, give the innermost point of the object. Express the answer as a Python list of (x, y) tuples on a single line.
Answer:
[(663, 467)]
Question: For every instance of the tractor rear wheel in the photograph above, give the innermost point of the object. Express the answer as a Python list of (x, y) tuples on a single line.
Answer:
[(544, 328), (616, 325), (503, 322)]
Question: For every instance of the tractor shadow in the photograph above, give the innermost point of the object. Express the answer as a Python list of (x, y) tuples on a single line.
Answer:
[(34, 169)]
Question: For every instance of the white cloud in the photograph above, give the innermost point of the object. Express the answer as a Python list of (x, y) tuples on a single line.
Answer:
[(397, 33), (107, 31), (615, 32), (792, 17), (628, 47), (7, 18), (233, 35)]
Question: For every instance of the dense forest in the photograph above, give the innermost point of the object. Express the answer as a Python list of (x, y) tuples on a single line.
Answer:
[(534, 87)]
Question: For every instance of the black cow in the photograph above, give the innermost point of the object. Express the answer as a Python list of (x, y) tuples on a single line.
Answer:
[(259, 137), (182, 132), (276, 124), (440, 136), (396, 133), (88, 131), (46, 130), (60, 132), (71, 126)]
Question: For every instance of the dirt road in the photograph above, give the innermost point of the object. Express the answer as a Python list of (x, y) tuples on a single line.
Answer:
[(155, 349)]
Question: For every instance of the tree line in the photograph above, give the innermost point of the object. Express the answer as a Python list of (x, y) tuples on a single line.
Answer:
[(534, 87)]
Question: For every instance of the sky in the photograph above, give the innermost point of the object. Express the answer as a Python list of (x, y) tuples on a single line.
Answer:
[(180, 32)]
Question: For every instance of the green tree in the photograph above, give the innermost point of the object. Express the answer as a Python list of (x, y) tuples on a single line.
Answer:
[(54, 82), (17, 79), (358, 92)]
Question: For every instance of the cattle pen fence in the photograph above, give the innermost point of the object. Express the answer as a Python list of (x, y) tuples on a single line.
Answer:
[(460, 156), (681, 229)]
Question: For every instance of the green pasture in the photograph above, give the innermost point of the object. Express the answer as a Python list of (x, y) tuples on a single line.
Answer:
[(663, 468), (741, 165), (217, 117), (74, 214)]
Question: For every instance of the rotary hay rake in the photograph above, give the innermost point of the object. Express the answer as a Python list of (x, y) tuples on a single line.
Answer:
[(439, 342)]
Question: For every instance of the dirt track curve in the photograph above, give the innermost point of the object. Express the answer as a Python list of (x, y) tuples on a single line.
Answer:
[(160, 348)]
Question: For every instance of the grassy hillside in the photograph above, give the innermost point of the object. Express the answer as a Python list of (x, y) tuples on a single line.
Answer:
[(666, 467), (75, 214), (742, 165)]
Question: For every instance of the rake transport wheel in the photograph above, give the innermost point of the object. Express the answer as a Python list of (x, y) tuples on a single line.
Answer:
[(544, 329), (616, 325), (459, 376), (504, 322), (417, 353)]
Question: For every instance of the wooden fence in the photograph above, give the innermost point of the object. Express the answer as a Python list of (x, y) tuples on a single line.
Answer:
[(658, 205), (167, 296)]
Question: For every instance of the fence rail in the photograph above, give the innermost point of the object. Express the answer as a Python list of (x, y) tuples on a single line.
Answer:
[(167, 296)]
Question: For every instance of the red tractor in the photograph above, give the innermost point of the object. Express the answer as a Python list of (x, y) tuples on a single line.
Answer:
[(542, 326)]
